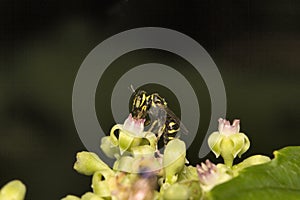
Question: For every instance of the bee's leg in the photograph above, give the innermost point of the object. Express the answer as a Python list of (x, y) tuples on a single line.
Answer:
[(157, 154), (152, 126), (161, 132)]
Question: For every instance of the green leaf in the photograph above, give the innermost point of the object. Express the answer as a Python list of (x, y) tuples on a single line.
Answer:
[(277, 179)]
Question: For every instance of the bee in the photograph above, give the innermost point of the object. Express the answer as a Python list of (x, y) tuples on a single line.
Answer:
[(158, 117)]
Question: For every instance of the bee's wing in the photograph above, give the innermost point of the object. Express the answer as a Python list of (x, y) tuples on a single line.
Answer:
[(158, 117), (177, 120)]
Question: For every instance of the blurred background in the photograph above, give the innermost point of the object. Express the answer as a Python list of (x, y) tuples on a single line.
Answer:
[(255, 44)]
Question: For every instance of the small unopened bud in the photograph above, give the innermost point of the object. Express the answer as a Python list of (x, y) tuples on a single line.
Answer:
[(14, 190), (70, 197), (173, 160), (88, 163), (90, 196)]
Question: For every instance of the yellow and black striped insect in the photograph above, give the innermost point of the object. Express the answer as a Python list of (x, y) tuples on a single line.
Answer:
[(158, 117)]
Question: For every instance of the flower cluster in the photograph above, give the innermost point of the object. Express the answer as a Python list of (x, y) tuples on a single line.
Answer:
[(141, 172), (139, 169)]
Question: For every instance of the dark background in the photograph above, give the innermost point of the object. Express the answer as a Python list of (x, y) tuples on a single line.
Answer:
[(255, 44)]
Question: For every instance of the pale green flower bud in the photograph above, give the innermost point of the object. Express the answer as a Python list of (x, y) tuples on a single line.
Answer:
[(90, 196), (173, 160), (14, 190), (88, 163), (176, 191), (228, 141), (70, 197)]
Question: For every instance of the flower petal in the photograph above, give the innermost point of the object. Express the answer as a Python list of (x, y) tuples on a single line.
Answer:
[(125, 141), (246, 145), (135, 126), (151, 137), (214, 142), (238, 143), (114, 139), (227, 129), (124, 164), (143, 151), (109, 148)]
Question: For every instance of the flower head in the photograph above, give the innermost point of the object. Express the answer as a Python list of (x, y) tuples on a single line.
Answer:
[(207, 173), (129, 137), (228, 141), (210, 175)]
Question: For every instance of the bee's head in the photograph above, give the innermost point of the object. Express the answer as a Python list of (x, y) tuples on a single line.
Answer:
[(139, 104)]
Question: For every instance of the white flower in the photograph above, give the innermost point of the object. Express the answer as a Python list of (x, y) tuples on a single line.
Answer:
[(135, 126)]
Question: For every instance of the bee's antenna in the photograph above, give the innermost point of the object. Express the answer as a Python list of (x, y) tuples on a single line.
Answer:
[(131, 88)]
